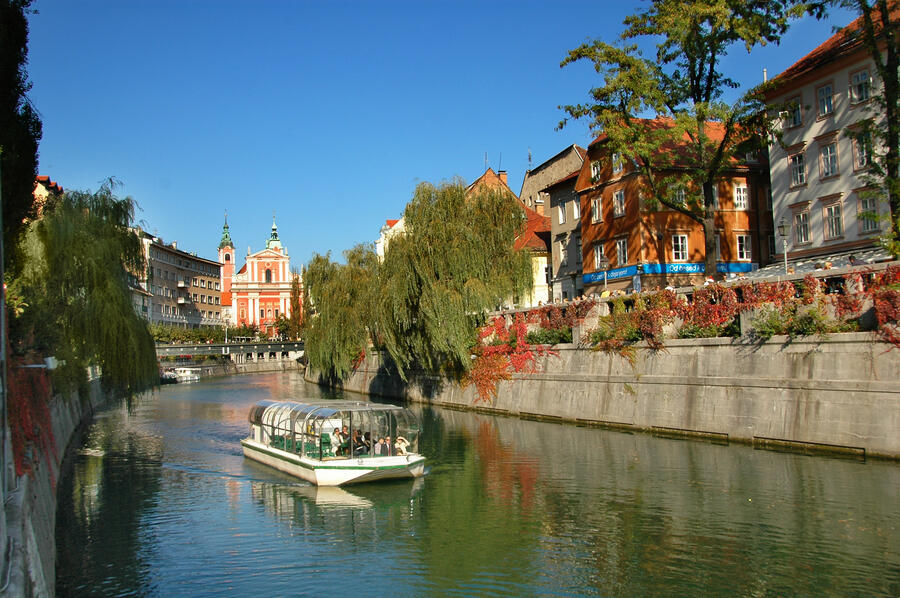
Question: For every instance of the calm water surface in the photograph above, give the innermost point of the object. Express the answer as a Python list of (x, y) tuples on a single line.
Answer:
[(161, 502)]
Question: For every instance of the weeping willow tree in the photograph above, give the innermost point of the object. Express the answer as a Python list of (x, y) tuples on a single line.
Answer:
[(452, 263), (80, 258), (338, 309)]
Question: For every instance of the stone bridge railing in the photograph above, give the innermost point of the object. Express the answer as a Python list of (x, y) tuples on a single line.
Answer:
[(237, 352)]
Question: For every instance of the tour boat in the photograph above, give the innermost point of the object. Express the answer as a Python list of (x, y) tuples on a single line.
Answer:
[(335, 442), (187, 374)]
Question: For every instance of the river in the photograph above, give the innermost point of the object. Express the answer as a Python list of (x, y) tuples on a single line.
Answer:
[(161, 502)]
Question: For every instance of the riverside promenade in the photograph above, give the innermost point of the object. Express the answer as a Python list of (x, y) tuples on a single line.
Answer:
[(835, 394)]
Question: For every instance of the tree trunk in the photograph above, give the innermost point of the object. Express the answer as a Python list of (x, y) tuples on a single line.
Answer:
[(709, 230)]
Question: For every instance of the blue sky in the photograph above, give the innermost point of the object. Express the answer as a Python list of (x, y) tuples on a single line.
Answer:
[(327, 113)]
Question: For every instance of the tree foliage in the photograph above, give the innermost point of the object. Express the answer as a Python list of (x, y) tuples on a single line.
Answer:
[(80, 260), (20, 126), (338, 308), (295, 321), (692, 134), (453, 261)]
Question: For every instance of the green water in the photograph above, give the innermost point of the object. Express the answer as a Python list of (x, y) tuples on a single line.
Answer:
[(161, 502)]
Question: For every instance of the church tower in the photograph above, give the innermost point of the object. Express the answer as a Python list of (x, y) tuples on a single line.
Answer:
[(226, 258)]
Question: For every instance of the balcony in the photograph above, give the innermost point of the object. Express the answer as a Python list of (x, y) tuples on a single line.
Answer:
[(183, 284), (182, 300)]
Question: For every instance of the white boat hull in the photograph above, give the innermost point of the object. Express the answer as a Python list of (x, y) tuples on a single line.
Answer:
[(337, 471)]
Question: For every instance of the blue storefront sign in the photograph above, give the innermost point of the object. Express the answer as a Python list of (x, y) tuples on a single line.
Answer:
[(614, 274), (679, 268)]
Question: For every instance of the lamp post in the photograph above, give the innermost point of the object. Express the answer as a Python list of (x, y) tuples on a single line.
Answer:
[(604, 265), (783, 233)]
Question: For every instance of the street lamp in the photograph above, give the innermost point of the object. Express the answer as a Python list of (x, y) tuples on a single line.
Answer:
[(604, 265), (783, 233)]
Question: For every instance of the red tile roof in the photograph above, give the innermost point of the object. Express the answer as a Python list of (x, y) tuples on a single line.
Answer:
[(50, 185), (846, 41), (536, 235), (391, 223)]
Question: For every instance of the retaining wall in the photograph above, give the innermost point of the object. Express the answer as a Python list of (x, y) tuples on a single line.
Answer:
[(840, 393), (30, 507)]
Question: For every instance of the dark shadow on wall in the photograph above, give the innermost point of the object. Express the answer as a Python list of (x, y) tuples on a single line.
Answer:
[(387, 381)]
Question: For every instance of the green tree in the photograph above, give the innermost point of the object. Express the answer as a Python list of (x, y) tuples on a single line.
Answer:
[(700, 134), (293, 330), (453, 261), (338, 309), (20, 127), (80, 259)]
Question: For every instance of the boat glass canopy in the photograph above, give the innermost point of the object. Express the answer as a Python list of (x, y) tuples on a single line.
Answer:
[(336, 429)]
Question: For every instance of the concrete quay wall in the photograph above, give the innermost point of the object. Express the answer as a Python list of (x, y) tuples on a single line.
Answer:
[(30, 506), (840, 393)]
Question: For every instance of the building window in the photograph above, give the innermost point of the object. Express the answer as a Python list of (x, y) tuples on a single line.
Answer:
[(867, 215), (743, 248), (598, 255), (825, 96), (268, 275), (202, 298), (859, 86), (578, 248), (618, 165), (276, 312), (829, 160), (217, 286), (262, 314), (194, 282), (834, 226), (794, 115), (270, 313), (227, 257), (595, 171), (862, 151), (741, 197), (595, 210), (563, 254), (217, 301), (619, 203), (621, 251), (679, 248), (194, 296), (576, 209), (801, 228), (680, 197), (562, 212), (798, 169)]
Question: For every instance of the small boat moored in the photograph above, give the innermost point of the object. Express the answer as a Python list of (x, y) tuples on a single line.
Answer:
[(335, 442)]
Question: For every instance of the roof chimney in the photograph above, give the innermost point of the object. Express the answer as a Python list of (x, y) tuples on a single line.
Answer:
[(502, 175)]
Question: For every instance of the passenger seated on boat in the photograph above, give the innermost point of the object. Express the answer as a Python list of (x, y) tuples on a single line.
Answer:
[(359, 446), (380, 447), (345, 442), (388, 448), (336, 442), (400, 445)]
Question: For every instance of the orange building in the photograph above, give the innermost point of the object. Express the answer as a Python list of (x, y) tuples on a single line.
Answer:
[(628, 245), (260, 292)]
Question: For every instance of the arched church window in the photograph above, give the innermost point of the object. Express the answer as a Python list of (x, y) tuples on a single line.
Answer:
[(268, 275), (227, 257)]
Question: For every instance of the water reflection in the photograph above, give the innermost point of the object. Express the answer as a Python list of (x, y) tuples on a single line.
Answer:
[(161, 502)]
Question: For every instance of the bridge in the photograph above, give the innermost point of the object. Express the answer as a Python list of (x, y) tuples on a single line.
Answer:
[(237, 352)]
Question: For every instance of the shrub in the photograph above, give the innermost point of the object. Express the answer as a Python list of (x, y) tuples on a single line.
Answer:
[(549, 337)]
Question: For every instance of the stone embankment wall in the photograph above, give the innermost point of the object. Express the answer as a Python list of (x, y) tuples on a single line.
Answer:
[(30, 507), (841, 393), (227, 368)]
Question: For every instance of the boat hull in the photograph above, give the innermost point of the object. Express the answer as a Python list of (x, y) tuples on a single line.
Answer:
[(335, 472)]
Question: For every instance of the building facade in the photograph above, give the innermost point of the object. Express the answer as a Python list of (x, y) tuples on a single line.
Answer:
[(628, 245), (260, 292), (184, 289), (565, 233), (818, 168), (534, 185)]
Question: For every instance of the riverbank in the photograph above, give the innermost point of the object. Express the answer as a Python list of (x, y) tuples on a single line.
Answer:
[(834, 394), (228, 368), (30, 506)]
